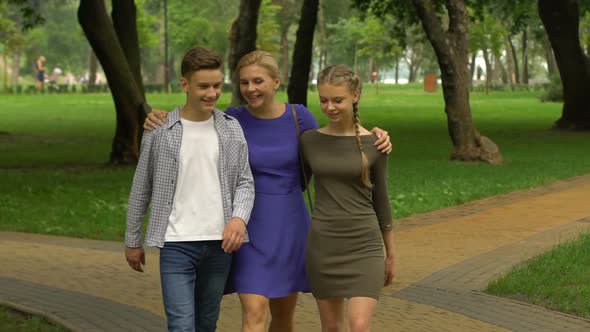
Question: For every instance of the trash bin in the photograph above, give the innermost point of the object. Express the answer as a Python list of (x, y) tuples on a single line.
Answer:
[(430, 82)]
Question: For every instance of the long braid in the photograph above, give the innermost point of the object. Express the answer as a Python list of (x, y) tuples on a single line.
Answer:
[(342, 75), (364, 160)]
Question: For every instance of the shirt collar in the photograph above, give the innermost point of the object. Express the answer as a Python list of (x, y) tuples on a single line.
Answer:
[(174, 116)]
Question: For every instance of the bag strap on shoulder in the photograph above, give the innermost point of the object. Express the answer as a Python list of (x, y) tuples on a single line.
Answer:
[(301, 156)]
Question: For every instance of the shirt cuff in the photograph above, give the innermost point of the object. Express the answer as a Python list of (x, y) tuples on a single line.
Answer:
[(243, 214)]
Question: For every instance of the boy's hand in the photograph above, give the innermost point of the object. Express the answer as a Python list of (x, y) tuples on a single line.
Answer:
[(383, 142), (135, 258), (154, 119), (233, 235)]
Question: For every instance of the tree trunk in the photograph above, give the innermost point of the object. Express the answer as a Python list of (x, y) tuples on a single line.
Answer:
[(322, 37), (15, 68), (502, 69), (285, 20), (356, 59), (414, 63), (302, 53), (551, 64), (452, 52), (161, 68), (124, 17), (472, 68), (510, 65), (127, 96), (370, 69), (412, 74), (5, 65), (242, 41), (172, 70), (166, 69), (92, 67), (284, 53), (525, 58), (396, 71), (486, 59), (561, 21), (514, 61)]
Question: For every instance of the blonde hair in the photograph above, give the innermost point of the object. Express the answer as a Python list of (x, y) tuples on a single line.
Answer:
[(344, 76), (260, 58)]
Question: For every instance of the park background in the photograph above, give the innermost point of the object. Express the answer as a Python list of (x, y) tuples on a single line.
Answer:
[(67, 152)]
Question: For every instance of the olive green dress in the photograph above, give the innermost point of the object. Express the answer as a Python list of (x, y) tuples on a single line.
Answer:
[(344, 255)]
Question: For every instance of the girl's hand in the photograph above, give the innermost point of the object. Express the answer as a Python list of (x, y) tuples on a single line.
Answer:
[(389, 271), (154, 119), (383, 142)]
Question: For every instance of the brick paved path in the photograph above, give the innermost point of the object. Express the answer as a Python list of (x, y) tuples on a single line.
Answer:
[(445, 259)]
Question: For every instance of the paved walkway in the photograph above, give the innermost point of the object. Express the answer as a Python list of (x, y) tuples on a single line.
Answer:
[(445, 259)]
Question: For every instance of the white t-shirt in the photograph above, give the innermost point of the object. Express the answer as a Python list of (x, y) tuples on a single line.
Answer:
[(197, 213)]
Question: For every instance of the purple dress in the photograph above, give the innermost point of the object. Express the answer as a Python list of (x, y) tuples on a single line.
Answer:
[(272, 264)]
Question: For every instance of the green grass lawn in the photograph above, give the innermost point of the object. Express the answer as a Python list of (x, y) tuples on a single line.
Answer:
[(53, 177), (53, 150), (14, 321), (558, 280)]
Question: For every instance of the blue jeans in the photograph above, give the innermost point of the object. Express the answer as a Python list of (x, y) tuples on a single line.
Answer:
[(193, 276)]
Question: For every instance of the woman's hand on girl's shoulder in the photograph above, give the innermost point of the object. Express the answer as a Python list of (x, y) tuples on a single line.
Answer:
[(383, 142)]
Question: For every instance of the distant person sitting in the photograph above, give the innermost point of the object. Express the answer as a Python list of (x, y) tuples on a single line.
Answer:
[(56, 74), (40, 68)]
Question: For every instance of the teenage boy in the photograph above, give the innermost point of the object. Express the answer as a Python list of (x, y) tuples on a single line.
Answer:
[(195, 171)]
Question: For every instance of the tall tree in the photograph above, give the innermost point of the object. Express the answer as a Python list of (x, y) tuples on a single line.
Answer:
[(486, 33), (377, 44), (242, 41), (550, 58), (524, 49), (11, 42), (124, 15), (448, 36), (166, 55), (561, 21), (415, 42), (268, 28), (92, 68), (302, 53), (286, 18), (59, 38), (127, 96), (516, 16), (513, 60)]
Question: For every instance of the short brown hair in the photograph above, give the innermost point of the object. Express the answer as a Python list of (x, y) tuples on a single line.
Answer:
[(199, 58)]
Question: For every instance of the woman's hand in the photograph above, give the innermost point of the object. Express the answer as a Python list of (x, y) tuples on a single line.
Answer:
[(383, 142), (389, 270), (154, 119)]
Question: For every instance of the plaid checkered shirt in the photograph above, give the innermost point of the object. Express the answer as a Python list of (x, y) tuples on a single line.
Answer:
[(157, 170)]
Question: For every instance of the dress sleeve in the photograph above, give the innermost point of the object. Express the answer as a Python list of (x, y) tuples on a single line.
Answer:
[(306, 119), (381, 203), (232, 111)]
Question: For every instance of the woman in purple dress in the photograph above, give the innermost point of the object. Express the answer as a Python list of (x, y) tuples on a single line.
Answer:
[(269, 270)]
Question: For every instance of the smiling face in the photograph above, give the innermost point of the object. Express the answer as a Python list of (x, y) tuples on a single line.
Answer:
[(336, 102), (203, 89), (257, 86)]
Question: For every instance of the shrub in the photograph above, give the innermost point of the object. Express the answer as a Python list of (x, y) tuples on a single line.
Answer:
[(553, 90)]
